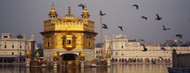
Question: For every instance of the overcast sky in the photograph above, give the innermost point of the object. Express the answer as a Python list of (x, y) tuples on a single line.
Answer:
[(27, 16)]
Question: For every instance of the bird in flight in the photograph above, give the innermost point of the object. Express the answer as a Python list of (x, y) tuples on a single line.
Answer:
[(145, 49), (179, 36), (81, 5), (164, 28), (158, 17), (144, 17), (142, 40), (135, 5), (121, 28), (161, 57), (163, 49), (102, 14), (104, 26)]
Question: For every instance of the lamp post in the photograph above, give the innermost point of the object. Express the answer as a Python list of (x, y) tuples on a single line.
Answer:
[(108, 56), (82, 56), (55, 57), (28, 56)]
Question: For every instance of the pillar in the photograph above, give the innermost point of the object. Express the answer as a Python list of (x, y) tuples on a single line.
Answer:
[(174, 58)]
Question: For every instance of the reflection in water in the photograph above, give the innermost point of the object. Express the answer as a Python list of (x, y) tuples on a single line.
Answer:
[(115, 68)]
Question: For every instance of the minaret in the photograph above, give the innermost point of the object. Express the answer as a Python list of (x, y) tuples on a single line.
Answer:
[(52, 14), (85, 13)]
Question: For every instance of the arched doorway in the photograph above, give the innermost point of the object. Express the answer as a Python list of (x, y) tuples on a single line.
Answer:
[(112, 59), (147, 60), (68, 57)]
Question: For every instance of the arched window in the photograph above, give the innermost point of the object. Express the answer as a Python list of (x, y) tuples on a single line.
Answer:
[(89, 44), (68, 42), (48, 44)]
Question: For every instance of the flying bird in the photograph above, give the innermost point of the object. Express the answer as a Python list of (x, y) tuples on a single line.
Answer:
[(135, 5), (145, 49), (144, 17), (163, 49), (102, 14), (158, 17), (142, 40), (164, 28), (81, 5), (121, 28), (179, 36), (104, 26), (161, 57)]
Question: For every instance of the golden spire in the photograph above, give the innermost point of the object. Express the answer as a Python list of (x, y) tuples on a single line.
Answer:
[(52, 13), (52, 6), (69, 12), (85, 13)]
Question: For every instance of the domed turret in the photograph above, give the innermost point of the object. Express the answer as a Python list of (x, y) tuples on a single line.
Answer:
[(52, 13), (85, 13)]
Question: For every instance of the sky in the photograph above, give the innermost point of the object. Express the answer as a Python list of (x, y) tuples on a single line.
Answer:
[(27, 16)]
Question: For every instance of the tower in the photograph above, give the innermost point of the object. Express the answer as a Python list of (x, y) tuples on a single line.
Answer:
[(68, 35), (85, 13), (52, 13)]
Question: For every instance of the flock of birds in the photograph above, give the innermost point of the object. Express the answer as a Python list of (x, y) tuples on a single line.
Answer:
[(158, 17)]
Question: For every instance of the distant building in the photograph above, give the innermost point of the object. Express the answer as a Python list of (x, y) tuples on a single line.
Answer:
[(13, 49), (124, 50), (96, 52)]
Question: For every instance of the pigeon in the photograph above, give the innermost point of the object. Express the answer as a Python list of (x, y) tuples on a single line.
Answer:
[(120, 28), (145, 49), (161, 57), (104, 26), (179, 36), (158, 17), (144, 17), (164, 28), (163, 48), (81, 5), (141, 39), (102, 14), (135, 5)]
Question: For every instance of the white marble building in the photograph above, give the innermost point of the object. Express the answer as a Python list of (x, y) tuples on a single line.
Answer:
[(12, 49), (96, 52), (124, 50)]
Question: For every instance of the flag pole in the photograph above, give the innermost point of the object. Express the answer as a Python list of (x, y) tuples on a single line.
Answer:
[(101, 34)]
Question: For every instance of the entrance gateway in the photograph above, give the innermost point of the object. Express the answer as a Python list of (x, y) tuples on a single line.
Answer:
[(68, 57)]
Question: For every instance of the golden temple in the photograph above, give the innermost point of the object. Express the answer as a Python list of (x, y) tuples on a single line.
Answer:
[(68, 33)]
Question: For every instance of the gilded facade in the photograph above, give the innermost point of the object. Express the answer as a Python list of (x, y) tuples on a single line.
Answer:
[(68, 33)]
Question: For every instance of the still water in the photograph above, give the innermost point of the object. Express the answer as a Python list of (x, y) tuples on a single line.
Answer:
[(115, 68)]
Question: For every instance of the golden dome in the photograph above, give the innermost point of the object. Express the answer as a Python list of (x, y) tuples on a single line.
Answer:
[(85, 13), (69, 16)]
